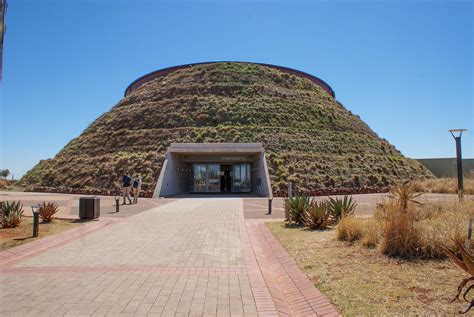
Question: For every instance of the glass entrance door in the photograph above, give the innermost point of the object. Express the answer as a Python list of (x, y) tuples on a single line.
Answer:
[(199, 178), (206, 178), (241, 180), (213, 178)]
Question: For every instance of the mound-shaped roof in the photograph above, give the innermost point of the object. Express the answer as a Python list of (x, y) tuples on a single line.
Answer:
[(309, 138), (136, 84)]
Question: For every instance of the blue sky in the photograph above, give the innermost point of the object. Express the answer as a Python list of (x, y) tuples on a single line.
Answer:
[(405, 67)]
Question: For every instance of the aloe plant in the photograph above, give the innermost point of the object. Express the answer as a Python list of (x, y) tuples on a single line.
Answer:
[(464, 259), (316, 216), (295, 208), (47, 211), (11, 214), (339, 208), (404, 194)]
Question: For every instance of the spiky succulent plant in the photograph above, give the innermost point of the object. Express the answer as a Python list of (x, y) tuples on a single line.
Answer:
[(339, 208), (316, 216), (11, 214), (464, 259)]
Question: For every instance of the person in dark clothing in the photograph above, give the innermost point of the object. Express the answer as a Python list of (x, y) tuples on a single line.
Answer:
[(126, 188)]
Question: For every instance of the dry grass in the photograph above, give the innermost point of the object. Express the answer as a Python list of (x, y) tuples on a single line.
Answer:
[(363, 282), (371, 236), (419, 231), (400, 236), (350, 229), (9, 185), (23, 233), (353, 229), (444, 185), (3, 183)]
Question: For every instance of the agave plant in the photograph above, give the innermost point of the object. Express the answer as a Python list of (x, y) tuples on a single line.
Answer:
[(11, 214), (295, 208), (404, 194), (316, 216), (47, 211), (339, 208), (464, 259)]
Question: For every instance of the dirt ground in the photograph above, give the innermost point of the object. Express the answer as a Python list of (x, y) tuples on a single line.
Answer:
[(12, 237)]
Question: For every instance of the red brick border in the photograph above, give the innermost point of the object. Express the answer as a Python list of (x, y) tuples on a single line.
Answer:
[(263, 299), (156, 269), (299, 292), (292, 292)]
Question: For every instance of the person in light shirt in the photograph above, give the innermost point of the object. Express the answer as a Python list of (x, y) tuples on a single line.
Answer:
[(136, 187)]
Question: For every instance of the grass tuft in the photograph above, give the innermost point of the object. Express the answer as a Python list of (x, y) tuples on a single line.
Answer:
[(350, 229)]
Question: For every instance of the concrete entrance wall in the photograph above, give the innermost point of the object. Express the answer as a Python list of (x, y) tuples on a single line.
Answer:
[(175, 175)]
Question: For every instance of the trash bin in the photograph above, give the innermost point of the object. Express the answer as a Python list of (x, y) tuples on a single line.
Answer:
[(89, 207)]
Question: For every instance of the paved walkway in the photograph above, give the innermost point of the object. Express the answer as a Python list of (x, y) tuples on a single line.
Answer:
[(69, 203), (189, 257)]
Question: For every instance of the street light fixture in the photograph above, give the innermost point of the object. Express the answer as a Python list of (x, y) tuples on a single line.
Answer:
[(457, 134)]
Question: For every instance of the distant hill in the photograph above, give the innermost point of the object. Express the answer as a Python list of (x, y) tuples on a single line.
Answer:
[(310, 139)]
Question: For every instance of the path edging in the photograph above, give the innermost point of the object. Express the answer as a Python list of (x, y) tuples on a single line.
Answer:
[(294, 292)]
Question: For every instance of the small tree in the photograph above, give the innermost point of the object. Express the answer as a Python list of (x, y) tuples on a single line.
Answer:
[(4, 173)]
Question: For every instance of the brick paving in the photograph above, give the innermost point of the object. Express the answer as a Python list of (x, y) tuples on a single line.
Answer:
[(29, 249), (189, 257), (69, 203)]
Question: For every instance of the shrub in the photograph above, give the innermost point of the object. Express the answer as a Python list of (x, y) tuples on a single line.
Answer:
[(400, 235), (47, 211), (350, 229), (418, 232), (339, 208), (11, 214), (442, 222), (316, 216), (295, 208), (371, 234)]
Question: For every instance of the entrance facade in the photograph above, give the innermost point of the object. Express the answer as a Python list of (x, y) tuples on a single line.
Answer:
[(214, 168), (221, 178)]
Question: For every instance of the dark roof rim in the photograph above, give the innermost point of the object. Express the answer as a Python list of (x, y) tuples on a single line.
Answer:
[(215, 62)]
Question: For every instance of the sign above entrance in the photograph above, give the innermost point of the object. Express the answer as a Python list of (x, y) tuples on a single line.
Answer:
[(217, 159)]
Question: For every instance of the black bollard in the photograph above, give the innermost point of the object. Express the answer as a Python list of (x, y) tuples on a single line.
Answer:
[(269, 206), (35, 223), (117, 205)]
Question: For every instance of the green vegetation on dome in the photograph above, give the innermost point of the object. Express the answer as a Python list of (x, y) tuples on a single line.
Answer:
[(310, 139)]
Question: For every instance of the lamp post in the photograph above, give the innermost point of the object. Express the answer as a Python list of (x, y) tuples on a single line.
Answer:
[(457, 134), (35, 209)]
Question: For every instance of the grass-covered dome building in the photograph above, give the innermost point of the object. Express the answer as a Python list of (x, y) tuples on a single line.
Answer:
[(309, 138)]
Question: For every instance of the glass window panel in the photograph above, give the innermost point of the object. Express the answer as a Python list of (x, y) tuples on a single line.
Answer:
[(199, 178), (241, 178), (213, 174), (236, 179), (245, 178)]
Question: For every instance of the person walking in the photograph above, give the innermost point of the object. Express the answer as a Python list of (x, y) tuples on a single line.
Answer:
[(137, 187), (126, 187)]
